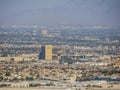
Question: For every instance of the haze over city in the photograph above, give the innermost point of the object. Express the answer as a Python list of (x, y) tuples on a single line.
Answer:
[(83, 12), (59, 45)]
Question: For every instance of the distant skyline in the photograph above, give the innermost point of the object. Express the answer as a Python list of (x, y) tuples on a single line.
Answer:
[(83, 12)]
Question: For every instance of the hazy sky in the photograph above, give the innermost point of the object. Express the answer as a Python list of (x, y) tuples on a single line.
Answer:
[(84, 12)]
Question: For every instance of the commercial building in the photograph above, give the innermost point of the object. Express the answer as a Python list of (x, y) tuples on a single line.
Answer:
[(46, 52)]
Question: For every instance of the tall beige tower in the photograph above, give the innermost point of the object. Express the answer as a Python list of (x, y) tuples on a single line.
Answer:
[(44, 32), (46, 52)]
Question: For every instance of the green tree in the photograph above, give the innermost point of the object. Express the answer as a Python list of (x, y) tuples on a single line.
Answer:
[(8, 74), (29, 78), (1, 78), (50, 84), (38, 76)]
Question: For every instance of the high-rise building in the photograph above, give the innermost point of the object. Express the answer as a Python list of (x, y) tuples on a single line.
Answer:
[(46, 52), (44, 32)]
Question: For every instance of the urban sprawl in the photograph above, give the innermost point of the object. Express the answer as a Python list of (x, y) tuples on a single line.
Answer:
[(59, 57)]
